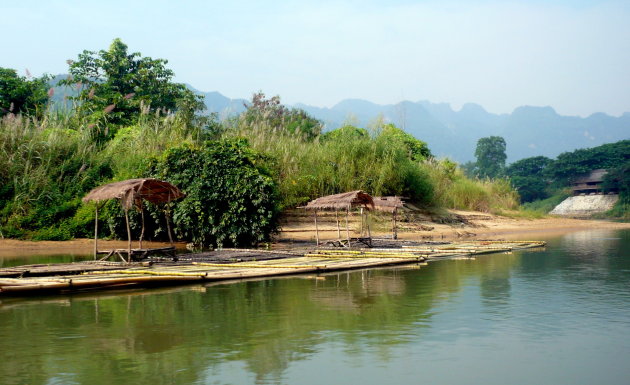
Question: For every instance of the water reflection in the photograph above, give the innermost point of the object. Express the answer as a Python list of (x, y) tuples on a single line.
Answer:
[(260, 331)]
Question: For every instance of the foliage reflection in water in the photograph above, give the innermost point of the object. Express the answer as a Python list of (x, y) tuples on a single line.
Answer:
[(553, 316)]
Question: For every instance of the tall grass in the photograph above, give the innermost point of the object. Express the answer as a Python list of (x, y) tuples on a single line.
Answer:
[(307, 169), (47, 166), (456, 191)]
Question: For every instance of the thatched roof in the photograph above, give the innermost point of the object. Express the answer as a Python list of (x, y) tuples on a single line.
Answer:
[(591, 177), (389, 204), (342, 201), (134, 190)]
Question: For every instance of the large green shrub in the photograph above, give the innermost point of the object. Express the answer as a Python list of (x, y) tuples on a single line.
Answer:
[(230, 201)]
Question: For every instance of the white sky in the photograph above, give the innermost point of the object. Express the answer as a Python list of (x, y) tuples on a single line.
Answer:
[(571, 55)]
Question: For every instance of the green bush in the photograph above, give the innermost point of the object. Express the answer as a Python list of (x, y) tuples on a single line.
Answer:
[(230, 201)]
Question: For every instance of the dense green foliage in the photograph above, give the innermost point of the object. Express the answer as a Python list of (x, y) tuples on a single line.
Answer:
[(570, 165), (229, 201), (454, 190), (529, 177), (490, 154), (22, 95), (346, 159), (116, 86)]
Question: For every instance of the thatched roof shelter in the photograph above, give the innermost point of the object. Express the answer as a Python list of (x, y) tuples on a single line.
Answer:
[(132, 191), (388, 204), (345, 200)]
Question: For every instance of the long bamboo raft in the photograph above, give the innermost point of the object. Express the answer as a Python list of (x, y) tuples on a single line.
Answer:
[(230, 264)]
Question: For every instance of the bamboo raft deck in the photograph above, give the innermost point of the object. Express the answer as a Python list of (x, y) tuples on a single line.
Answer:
[(230, 264)]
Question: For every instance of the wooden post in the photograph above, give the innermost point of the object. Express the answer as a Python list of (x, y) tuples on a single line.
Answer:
[(347, 227), (167, 214), (395, 229), (96, 231), (142, 231), (361, 231), (128, 235), (367, 224), (338, 229), (316, 229)]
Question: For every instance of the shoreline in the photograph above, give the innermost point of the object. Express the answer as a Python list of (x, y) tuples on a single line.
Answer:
[(482, 226)]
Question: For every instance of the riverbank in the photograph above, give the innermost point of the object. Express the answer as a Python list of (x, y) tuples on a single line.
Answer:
[(470, 225), (466, 224)]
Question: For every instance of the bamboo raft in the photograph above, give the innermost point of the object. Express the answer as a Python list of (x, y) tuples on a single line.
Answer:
[(230, 264)]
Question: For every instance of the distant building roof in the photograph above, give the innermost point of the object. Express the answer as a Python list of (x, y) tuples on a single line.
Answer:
[(389, 204), (593, 176)]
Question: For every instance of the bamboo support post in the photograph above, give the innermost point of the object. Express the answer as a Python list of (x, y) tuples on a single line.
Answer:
[(167, 214), (361, 231), (347, 226), (142, 231), (338, 229), (96, 232), (316, 230), (394, 228), (128, 236)]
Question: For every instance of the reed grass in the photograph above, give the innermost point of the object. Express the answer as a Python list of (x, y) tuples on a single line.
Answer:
[(47, 165)]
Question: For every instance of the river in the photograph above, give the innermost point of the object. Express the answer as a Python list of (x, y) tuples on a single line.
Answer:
[(555, 316)]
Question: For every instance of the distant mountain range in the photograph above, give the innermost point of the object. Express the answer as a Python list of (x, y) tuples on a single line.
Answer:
[(528, 131)]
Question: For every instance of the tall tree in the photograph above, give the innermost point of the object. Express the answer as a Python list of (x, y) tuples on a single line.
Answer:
[(19, 94), (490, 154), (121, 85)]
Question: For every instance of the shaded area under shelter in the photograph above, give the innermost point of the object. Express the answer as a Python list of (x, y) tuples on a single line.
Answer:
[(389, 204), (345, 202), (132, 193)]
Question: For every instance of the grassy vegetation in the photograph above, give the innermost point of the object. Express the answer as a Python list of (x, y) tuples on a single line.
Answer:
[(48, 165), (544, 206), (456, 191)]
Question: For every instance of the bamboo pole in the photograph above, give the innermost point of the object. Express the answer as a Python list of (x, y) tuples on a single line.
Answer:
[(338, 229), (316, 229), (96, 232), (142, 231), (395, 228), (361, 231), (167, 214), (128, 235), (347, 227)]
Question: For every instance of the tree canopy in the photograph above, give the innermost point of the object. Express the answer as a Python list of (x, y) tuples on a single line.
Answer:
[(120, 86), (528, 176), (269, 114), (490, 154), (20, 94), (570, 165)]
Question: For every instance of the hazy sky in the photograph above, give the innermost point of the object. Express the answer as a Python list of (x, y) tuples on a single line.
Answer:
[(571, 55)]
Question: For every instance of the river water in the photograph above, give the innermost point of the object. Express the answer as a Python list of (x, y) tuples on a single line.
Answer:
[(555, 316)]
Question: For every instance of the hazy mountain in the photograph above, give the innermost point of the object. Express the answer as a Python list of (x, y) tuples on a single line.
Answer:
[(528, 131), (216, 102)]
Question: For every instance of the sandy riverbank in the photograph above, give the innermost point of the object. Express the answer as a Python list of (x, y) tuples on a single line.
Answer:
[(477, 226)]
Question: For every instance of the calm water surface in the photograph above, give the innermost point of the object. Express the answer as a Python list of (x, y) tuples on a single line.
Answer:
[(557, 316)]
